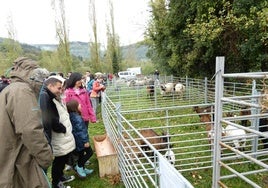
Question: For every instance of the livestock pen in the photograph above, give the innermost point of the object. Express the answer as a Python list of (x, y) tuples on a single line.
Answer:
[(128, 110)]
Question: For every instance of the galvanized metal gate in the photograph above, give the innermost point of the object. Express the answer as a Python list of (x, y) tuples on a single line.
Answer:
[(255, 154)]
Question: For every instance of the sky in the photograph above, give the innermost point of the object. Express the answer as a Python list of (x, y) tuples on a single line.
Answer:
[(34, 20)]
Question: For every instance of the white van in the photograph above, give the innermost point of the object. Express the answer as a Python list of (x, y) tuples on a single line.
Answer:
[(127, 75)]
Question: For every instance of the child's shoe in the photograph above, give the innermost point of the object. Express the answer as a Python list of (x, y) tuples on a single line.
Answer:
[(80, 171), (88, 171)]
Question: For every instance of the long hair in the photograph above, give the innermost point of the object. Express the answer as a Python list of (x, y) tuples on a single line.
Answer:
[(70, 83)]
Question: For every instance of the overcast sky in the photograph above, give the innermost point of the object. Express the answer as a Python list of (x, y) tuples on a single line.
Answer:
[(34, 20)]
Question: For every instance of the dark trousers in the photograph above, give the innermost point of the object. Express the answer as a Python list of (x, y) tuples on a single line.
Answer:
[(58, 167), (84, 155)]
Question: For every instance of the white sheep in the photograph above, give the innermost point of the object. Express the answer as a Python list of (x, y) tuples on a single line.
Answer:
[(172, 88), (179, 89), (167, 88)]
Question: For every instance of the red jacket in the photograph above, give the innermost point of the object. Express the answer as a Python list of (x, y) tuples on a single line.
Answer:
[(96, 89)]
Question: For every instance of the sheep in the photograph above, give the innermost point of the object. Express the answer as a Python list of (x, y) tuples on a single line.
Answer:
[(170, 156), (172, 88), (167, 88), (179, 89), (159, 142), (139, 82), (150, 88)]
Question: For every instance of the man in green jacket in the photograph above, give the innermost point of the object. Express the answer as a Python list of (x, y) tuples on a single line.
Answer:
[(25, 151)]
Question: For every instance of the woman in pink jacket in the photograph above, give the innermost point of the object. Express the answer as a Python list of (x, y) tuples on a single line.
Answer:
[(75, 90)]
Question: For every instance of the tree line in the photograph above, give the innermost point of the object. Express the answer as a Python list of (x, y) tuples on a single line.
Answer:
[(185, 37)]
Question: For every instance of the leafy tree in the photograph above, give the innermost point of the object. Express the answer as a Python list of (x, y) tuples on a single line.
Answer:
[(113, 54), (10, 49), (186, 36)]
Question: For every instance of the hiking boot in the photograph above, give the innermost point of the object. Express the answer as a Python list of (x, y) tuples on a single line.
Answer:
[(88, 171), (60, 185), (80, 172), (66, 178)]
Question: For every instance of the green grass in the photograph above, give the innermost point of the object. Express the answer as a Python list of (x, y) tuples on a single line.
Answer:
[(199, 178), (134, 99)]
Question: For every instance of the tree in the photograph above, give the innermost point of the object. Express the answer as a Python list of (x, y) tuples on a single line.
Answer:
[(64, 55), (94, 46), (10, 48), (113, 54)]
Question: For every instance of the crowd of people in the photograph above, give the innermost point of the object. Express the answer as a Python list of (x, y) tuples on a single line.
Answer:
[(44, 121)]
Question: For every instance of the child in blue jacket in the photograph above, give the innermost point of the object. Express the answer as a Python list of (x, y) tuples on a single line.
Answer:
[(80, 132)]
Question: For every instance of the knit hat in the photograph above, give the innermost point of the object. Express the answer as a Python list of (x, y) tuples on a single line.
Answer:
[(39, 74), (73, 79)]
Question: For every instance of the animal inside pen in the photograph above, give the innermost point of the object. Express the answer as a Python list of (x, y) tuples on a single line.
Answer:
[(193, 157)]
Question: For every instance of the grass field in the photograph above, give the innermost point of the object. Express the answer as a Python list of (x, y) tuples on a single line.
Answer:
[(185, 131)]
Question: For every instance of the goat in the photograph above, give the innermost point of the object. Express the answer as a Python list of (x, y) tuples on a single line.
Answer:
[(205, 116), (231, 131), (206, 109), (170, 156), (130, 147), (243, 112), (159, 142)]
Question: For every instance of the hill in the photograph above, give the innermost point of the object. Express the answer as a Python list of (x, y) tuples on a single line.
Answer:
[(81, 49)]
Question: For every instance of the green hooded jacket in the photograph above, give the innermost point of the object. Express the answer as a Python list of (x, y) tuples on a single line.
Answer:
[(25, 151)]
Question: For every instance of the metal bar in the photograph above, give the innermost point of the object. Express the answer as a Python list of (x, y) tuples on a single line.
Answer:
[(218, 116), (240, 175), (240, 102)]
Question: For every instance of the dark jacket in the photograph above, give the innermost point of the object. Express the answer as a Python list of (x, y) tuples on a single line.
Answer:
[(3, 85), (50, 115), (79, 131), (24, 147)]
